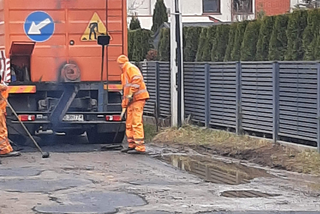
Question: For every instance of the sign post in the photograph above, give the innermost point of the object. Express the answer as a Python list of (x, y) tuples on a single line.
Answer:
[(176, 62)]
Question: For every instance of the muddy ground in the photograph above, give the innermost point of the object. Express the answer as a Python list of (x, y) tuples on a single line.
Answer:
[(79, 178), (259, 151)]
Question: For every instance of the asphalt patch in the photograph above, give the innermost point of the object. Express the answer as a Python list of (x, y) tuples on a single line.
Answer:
[(262, 212), (19, 172), (152, 212), (43, 186), (93, 202)]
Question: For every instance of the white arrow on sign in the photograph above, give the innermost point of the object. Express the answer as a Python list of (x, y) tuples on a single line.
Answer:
[(35, 29)]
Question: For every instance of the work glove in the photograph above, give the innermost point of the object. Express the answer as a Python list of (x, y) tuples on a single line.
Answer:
[(130, 97)]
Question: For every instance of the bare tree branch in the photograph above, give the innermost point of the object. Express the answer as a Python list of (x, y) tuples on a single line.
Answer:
[(241, 9), (308, 4), (135, 5)]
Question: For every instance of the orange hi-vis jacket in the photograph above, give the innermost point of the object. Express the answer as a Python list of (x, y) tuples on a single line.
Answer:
[(133, 84), (4, 94)]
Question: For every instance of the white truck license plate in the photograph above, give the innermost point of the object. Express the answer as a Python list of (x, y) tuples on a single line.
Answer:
[(73, 117)]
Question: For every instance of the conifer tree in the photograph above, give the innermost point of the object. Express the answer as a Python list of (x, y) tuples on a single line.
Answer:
[(211, 35), (164, 45), (159, 15), (221, 42), (241, 28), (202, 43), (232, 33), (296, 25), (264, 38), (134, 23), (250, 40), (278, 41), (192, 41), (310, 35)]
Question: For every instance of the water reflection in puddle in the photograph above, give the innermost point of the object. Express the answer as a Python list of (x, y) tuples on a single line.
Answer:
[(215, 171)]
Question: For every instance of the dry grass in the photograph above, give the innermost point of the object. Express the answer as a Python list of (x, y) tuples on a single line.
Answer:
[(200, 136), (260, 151)]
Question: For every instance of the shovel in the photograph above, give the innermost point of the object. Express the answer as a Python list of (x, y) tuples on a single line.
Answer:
[(103, 148)]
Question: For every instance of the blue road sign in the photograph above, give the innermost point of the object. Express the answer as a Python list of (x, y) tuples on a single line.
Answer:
[(39, 26)]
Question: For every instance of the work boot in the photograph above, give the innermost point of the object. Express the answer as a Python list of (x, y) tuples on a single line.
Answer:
[(10, 154), (133, 152), (140, 149)]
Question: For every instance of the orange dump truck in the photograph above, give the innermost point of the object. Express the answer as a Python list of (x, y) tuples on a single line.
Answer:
[(59, 77)]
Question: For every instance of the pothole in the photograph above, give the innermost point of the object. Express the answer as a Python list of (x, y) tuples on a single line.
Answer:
[(215, 171), (246, 194)]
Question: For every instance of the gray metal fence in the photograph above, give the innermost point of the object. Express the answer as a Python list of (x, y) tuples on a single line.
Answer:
[(157, 78), (276, 99)]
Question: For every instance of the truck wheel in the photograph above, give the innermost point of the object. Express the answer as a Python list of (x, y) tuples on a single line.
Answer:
[(104, 138)]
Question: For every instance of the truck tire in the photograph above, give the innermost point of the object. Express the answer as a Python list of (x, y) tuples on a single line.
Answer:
[(104, 138)]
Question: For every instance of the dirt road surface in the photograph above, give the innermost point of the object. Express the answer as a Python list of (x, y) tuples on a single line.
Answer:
[(78, 178)]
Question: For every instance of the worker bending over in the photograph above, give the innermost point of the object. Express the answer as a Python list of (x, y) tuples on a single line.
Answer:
[(5, 147), (135, 95)]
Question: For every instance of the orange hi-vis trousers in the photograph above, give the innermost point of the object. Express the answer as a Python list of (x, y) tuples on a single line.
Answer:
[(5, 146), (134, 125)]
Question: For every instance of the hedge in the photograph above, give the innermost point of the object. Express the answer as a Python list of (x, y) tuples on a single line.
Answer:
[(251, 36), (202, 43), (264, 38), (220, 44), (294, 36), (241, 28), (310, 35), (211, 35), (139, 43), (164, 45), (191, 45), (296, 25), (278, 41), (232, 33)]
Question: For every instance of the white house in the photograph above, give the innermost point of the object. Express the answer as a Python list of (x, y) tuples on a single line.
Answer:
[(195, 10), (294, 3)]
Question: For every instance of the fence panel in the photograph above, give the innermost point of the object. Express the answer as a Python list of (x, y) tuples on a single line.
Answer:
[(223, 94), (298, 100), (257, 96), (165, 89), (194, 91), (280, 99), (148, 70)]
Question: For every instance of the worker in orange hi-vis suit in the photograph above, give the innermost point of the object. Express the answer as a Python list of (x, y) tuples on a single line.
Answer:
[(5, 147), (135, 95)]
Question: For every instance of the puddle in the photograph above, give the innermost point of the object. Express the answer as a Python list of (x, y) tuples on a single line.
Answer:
[(215, 171), (246, 194)]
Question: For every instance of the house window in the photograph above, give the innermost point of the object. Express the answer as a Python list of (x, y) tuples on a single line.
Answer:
[(211, 6), (242, 6)]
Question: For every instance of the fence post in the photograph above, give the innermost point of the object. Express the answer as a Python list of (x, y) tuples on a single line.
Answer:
[(275, 84), (238, 98), (207, 95), (157, 89), (318, 106)]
